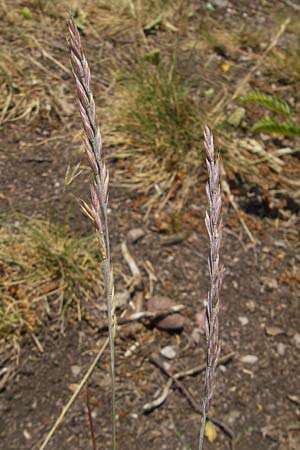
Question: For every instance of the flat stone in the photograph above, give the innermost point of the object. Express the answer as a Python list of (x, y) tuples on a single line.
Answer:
[(135, 234), (172, 322), (273, 331)]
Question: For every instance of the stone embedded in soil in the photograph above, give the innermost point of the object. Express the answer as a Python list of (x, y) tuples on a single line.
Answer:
[(251, 306), (172, 322), (273, 331), (196, 336), (135, 234), (75, 370), (220, 3), (168, 352), (243, 320), (249, 359), (200, 319), (232, 417), (296, 340), (281, 348)]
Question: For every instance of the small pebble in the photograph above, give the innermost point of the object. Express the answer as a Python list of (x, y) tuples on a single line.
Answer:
[(249, 359), (232, 417), (129, 352), (172, 322), (168, 352), (75, 370), (27, 435), (201, 320), (196, 335), (273, 331), (135, 234), (220, 3), (296, 340), (251, 305), (235, 284), (244, 320), (281, 348)]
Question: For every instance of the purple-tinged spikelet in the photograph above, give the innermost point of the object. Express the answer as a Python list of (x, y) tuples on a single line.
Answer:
[(97, 211), (213, 221)]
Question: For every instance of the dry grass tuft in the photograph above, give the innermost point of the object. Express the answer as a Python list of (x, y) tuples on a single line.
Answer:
[(158, 113), (44, 269), (155, 129)]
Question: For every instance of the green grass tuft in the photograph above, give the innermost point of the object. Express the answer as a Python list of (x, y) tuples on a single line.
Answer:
[(44, 267), (160, 113)]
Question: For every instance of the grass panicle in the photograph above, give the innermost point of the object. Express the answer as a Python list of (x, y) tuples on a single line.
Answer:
[(213, 221), (97, 211)]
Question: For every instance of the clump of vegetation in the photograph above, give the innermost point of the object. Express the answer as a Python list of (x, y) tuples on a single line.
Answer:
[(276, 105), (159, 112), (44, 269)]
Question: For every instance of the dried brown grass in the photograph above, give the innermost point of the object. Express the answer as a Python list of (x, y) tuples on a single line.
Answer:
[(44, 269)]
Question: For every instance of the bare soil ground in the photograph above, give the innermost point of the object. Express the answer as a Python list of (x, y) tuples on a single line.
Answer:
[(257, 393)]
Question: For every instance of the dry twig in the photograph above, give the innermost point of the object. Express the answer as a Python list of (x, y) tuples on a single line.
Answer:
[(175, 378), (188, 395)]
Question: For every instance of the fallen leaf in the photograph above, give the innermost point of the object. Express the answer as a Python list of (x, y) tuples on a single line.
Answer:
[(210, 431), (225, 67)]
